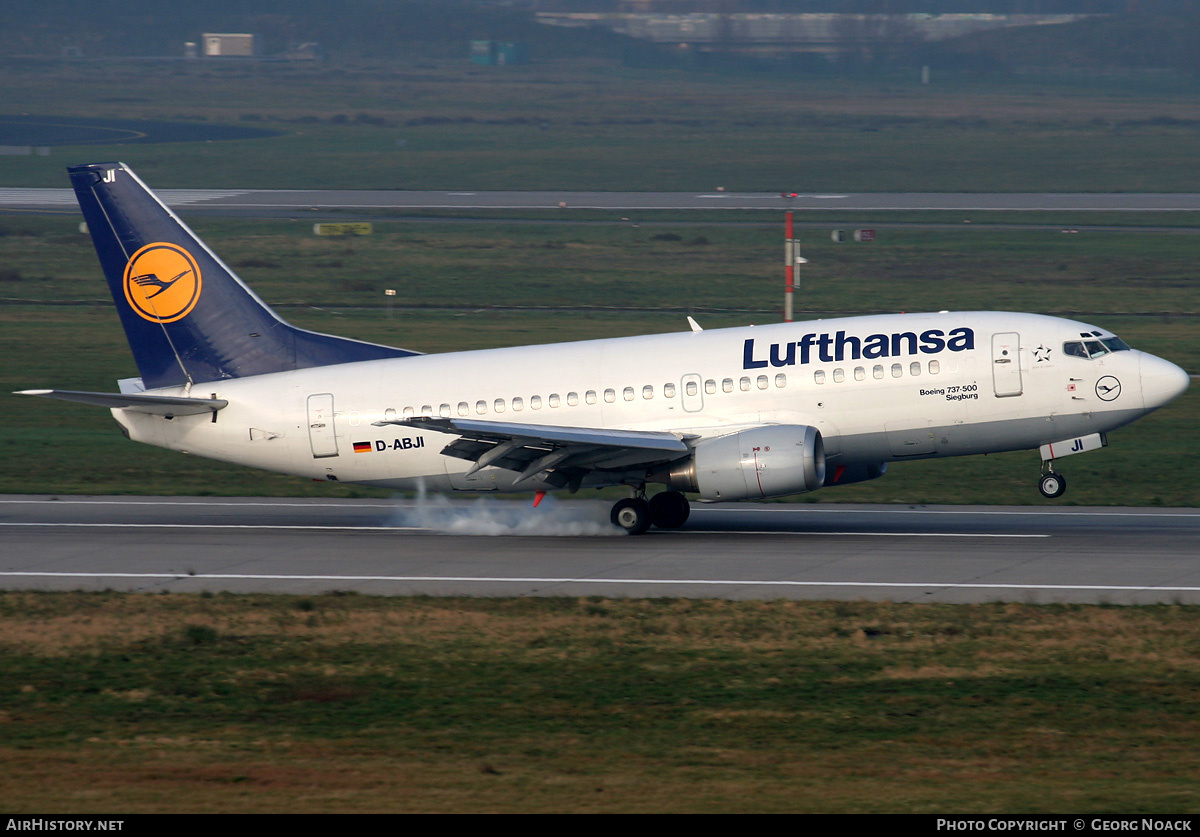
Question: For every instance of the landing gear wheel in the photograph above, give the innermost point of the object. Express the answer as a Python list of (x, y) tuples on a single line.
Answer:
[(631, 514), (1052, 485), (669, 510)]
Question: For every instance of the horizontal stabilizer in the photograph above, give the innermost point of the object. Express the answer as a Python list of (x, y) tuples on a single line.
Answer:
[(159, 405)]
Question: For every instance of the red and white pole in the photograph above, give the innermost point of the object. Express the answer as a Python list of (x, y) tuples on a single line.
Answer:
[(789, 258)]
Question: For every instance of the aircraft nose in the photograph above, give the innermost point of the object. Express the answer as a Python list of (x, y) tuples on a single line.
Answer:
[(1162, 381)]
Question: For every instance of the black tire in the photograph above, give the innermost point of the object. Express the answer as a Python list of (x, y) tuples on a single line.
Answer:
[(669, 510), (1052, 485), (631, 514)]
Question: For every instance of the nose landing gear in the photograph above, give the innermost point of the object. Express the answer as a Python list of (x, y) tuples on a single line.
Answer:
[(1051, 484)]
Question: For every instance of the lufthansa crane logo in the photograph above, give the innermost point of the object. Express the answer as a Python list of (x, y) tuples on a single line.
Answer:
[(1108, 388), (162, 282)]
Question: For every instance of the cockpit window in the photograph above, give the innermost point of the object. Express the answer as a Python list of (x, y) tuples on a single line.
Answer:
[(1094, 348)]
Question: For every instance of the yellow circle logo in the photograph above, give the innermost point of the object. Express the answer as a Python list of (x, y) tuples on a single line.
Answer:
[(162, 282)]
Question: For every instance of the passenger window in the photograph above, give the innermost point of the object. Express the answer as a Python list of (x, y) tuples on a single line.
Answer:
[(427, 410), (627, 393), (897, 370), (914, 368), (727, 385), (710, 386), (781, 380), (572, 399), (444, 411), (744, 384), (838, 375), (690, 388), (535, 403), (610, 395), (518, 405), (934, 367), (819, 376), (590, 396), (498, 404), (464, 408), (481, 407), (668, 390), (647, 392), (762, 381), (553, 400), (877, 372), (860, 374), (390, 413)]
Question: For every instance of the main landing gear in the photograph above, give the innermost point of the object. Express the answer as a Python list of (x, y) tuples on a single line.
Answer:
[(666, 510), (1051, 484)]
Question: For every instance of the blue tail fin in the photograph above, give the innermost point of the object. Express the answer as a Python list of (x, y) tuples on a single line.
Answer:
[(188, 317)]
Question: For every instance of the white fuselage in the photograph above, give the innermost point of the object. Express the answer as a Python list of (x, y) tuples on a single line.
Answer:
[(878, 388)]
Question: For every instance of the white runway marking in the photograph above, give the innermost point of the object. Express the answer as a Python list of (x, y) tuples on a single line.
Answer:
[(943, 585), (304, 526), (355, 528), (971, 512), (233, 502), (250, 503), (863, 534)]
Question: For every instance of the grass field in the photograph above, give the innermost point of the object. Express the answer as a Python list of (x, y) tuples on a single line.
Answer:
[(597, 125), (129, 704)]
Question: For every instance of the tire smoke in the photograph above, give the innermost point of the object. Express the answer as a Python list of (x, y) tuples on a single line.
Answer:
[(489, 516)]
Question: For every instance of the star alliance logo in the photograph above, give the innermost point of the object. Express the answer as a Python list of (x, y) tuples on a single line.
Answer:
[(1042, 353)]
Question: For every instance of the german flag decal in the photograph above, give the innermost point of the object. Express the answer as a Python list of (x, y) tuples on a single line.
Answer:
[(362, 447)]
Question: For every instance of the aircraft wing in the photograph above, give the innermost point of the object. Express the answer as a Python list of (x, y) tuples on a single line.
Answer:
[(567, 453), (160, 405)]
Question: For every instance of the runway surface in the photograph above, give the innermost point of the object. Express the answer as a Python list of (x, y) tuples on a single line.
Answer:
[(272, 203), (489, 547)]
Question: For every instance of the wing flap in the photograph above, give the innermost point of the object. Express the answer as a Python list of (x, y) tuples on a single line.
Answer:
[(548, 435), (160, 405), (533, 449)]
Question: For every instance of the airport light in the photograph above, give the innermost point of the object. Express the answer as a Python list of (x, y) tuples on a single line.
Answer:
[(792, 261)]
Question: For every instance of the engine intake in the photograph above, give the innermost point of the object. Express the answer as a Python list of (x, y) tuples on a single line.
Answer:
[(753, 464)]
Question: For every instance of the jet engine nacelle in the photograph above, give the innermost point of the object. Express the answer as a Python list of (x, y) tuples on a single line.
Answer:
[(753, 464)]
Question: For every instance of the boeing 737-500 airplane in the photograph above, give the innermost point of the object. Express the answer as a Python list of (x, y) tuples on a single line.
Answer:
[(725, 414)]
